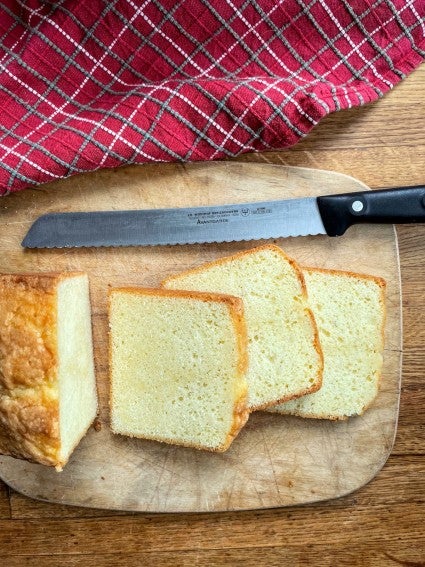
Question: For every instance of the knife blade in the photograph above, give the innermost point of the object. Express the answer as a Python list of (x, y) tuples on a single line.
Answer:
[(329, 215)]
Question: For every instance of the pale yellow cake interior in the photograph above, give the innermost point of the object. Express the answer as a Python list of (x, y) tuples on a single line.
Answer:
[(176, 369), (76, 377), (350, 312), (284, 360)]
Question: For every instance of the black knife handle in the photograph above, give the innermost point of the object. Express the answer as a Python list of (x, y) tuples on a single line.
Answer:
[(389, 206)]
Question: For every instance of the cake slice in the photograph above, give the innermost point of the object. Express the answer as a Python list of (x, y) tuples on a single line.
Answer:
[(48, 393), (350, 312), (177, 363), (285, 358)]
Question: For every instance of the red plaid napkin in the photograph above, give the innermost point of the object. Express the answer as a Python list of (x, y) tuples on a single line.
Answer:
[(91, 84)]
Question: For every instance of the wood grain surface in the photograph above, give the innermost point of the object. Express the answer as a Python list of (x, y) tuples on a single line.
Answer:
[(276, 460), (382, 523)]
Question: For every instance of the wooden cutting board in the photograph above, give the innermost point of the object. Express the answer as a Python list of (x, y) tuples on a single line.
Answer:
[(276, 460)]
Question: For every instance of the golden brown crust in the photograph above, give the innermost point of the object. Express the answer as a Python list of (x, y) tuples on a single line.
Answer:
[(27, 330), (205, 296), (29, 404), (377, 279), (225, 259), (29, 430), (236, 309), (241, 410), (240, 417)]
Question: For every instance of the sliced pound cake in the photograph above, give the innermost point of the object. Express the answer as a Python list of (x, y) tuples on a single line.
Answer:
[(350, 313), (48, 395), (177, 363), (285, 358)]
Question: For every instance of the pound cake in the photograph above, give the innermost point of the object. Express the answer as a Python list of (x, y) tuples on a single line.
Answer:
[(285, 358), (350, 312), (177, 362), (48, 393)]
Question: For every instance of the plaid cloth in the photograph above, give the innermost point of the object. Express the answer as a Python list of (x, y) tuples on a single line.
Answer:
[(101, 83)]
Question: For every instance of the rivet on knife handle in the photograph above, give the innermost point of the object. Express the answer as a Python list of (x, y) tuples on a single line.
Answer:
[(401, 205)]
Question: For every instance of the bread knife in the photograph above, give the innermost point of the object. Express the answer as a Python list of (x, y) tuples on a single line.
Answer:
[(329, 215)]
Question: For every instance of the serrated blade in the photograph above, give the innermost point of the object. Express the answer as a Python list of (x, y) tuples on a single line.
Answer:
[(152, 227)]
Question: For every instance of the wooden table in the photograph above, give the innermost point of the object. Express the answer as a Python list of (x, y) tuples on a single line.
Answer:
[(383, 523)]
